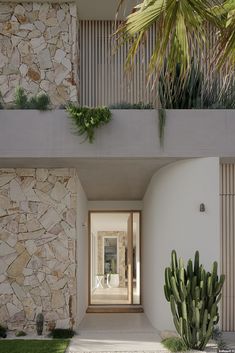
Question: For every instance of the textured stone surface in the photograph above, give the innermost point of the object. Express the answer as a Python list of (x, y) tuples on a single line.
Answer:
[(38, 44), (37, 246)]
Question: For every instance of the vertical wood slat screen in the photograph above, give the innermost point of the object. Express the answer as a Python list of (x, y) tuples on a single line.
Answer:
[(227, 199), (103, 80), (102, 77)]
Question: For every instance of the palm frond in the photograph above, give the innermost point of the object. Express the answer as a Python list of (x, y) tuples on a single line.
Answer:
[(180, 30)]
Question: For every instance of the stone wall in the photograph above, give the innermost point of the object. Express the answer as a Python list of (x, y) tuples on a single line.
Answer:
[(122, 245), (37, 247), (38, 50)]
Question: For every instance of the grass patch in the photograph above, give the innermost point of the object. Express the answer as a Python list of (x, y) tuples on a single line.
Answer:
[(33, 346), (174, 344)]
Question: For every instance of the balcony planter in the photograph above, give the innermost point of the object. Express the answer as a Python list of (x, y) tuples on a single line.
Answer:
[(130, 134)]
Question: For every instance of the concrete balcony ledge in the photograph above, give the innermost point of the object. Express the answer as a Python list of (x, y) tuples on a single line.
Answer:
[(130, 134)]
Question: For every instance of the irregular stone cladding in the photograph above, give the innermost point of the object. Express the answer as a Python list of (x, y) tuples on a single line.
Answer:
[(37, 247), (38, 50)]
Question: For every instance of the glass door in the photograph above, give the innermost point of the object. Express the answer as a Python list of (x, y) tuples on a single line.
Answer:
[(114, 258)]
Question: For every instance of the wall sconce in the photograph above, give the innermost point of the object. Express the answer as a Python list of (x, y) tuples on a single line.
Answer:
[(202, 207)]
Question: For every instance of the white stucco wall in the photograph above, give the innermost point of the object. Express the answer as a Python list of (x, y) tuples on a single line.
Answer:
[(115, 205), (171, 220), (82, 252)]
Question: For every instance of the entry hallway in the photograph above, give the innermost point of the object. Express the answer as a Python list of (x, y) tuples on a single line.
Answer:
[(116, 333)]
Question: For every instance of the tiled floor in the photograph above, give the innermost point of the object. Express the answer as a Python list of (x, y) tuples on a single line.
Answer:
[(122, 333)]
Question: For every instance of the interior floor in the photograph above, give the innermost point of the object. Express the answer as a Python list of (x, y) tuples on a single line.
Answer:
[(112, 296)]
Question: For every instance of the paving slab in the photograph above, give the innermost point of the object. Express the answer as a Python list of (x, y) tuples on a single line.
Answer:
[(124, 333)]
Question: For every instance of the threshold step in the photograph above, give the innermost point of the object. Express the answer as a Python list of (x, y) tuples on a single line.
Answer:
[(115, 309)]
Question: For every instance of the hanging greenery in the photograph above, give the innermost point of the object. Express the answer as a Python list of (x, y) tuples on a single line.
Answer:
[(87, 120)]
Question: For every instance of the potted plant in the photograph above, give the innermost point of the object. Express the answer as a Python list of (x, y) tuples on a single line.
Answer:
[(39, 323), (114, 280)]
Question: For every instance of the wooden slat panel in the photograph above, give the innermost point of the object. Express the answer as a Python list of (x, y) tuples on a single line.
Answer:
[(227, 195), (102, 73), (103, 77)]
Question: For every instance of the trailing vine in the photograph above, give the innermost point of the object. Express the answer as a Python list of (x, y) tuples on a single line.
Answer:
[(87, 120), (161, 125)]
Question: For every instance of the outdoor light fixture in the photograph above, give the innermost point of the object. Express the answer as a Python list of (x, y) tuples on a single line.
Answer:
[(202, 207)]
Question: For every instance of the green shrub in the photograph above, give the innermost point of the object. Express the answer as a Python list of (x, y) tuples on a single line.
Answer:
[(20, 334), (3, 331), (174, 344), (195, 92), (87, 120), (62, 333), (124, 105), (1, 101), (21, 99), (39, 102)]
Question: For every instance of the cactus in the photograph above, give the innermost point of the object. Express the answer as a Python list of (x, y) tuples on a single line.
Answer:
[(39, 323), (193, 294)]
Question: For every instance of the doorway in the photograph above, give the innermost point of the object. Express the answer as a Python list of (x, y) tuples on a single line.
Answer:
[(114, 258)]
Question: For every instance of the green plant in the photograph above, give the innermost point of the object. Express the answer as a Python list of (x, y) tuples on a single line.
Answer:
[(21, 99), (3, 331), (124, 105), (20, 334), (161, 125), (62, 333), (87, 120), (226, 45), (177, 24), (192, 93), (1, 101), (182, 30), (193, 294), (39, 102), (174, 344), (176, 94), (39, 323)]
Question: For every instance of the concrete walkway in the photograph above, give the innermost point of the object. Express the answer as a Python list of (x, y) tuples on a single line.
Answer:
[(116, 333), (123, 333)]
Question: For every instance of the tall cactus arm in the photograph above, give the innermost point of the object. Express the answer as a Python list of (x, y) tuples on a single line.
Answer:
[(167, 293), (219, 285), (174, 261), (167, 277), (190, 269), (175, 290), (214, 276), (209, 287), (173, 306), (196, 263)]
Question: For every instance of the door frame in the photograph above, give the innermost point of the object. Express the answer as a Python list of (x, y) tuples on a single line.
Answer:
[(114, 306)]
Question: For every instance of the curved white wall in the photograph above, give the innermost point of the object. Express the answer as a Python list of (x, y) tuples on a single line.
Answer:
[(171, 220)]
